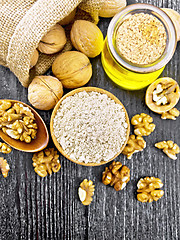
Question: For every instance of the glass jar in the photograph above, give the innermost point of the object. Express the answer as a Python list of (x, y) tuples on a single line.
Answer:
[(129, 75)]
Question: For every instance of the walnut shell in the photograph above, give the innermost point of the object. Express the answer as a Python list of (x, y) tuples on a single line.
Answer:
[(69, 18), (170, 92), (87, 38), (53, 41), (34, 58), (175, 17), (72, 68), (44, 92), (111, 7)]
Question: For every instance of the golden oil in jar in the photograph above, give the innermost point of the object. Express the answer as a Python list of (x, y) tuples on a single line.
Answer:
[(127, 74)]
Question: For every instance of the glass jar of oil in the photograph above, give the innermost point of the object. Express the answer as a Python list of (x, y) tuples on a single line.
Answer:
[(129, 75)]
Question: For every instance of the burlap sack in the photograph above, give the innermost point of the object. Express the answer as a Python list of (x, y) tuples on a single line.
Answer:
[(22, 25)]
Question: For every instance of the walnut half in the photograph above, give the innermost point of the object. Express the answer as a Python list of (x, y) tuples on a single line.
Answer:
[(86, 191), (4, 148), (4, 167), (171, 114), (169, 148), (116, 175), (134, 144), (46, 161), (148, 189), (143, 125)]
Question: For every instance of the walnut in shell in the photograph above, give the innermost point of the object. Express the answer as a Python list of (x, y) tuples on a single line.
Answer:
[(175, 17), (44, 92), (68, 19), (162, 95), (34, 58), (111, 7), (73, 69), (87, 38), (53, 41)]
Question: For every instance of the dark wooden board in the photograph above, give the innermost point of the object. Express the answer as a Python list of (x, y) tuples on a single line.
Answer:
[(32, 207)]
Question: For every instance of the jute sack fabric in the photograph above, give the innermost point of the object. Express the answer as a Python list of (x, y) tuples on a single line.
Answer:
[(23, 23)]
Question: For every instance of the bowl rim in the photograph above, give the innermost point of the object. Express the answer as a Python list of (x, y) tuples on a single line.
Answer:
[(87, 89)]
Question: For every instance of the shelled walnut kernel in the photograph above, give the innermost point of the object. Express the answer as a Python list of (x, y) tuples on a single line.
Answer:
[(134, 144), (148, 189), (143, 125), (17, 121), (169, 148), (46, 161), (116, 174), (4, 167), (4, 148), (86, 191), (171, 114)]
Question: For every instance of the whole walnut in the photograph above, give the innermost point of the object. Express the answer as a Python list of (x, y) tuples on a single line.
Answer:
[(111, 7), (72, 68), (53, 41), (34, 58), (44, 92), (87, 38), (175, 17), (69, 18)]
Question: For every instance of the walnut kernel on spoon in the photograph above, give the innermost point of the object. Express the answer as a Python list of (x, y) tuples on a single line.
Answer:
[(42, 137), (162, 95)]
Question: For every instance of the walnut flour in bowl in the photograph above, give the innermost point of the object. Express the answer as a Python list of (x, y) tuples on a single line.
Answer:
[(90, 126), (141, 38)]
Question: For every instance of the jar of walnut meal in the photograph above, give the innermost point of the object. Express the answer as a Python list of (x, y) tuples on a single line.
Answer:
[(141, 40)]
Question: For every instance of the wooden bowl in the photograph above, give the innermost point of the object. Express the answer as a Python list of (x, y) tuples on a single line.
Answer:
[(87, 89), (37, 144)]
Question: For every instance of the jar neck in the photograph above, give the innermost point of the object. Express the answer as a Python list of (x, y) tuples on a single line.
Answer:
[(162, 17)]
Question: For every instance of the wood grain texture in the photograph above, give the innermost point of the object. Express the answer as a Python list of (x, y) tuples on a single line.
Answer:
[(48, 208)]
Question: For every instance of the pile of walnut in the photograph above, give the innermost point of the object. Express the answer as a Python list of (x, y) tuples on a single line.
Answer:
[(17, 121), (143, 126), (148, 189), (4, 167), (116, 175), (86, 191), (161, 97), (72, 69), (46, 161)]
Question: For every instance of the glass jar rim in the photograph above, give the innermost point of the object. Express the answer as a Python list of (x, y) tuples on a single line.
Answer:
[(170, 31)]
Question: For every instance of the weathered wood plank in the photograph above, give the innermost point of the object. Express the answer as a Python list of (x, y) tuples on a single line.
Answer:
[(49, 208)]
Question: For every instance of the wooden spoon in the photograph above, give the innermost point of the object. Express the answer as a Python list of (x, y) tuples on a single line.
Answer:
[(37, 144)]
